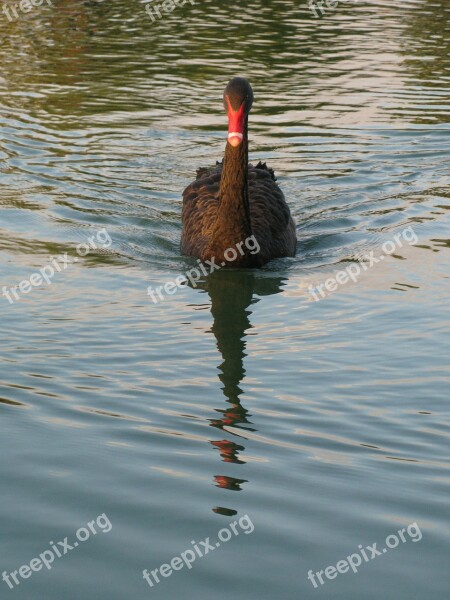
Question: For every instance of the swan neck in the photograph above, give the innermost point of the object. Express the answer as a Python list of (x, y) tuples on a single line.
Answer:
[(234, 208)]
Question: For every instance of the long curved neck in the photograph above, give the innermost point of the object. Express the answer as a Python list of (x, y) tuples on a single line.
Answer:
[(233, 215)]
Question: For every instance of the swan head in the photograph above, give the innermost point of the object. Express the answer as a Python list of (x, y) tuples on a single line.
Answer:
[(237, 100)]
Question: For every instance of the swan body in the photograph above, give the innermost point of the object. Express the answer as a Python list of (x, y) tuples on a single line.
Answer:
[(236, 205)]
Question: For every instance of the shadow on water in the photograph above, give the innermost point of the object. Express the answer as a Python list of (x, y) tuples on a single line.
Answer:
[(232, 294)]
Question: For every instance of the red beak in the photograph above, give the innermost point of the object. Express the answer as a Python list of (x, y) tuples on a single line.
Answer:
[(236, 120)]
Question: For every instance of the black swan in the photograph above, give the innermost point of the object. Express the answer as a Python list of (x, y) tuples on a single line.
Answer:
[(234, 213)]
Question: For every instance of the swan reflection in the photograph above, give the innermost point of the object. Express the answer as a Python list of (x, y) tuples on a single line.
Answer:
[(232, 294)]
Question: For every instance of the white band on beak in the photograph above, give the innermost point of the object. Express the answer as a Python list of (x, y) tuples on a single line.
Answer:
[(236, 134)]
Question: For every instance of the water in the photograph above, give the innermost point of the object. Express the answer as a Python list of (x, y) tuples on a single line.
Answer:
[(326, 422)]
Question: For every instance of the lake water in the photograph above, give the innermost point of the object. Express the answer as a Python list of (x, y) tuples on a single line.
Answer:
[(325, 421)]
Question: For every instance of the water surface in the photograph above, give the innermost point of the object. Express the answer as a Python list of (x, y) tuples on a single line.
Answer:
[(325, 422)]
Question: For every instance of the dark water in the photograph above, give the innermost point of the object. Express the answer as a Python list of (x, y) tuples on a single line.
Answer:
[(326, 422)]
